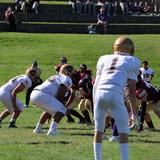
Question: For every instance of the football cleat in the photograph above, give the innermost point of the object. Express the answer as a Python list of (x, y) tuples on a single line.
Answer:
[(82, 121), (150, 130), (11, 125), (140, 128), (114, 139), (52, 132), (38, 131), (70, 120), (25, 106), (132, 126), (105, 137)]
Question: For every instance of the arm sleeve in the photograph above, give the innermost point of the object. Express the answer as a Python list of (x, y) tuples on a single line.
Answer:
[(67, 82), (136, 69), (27, 83)]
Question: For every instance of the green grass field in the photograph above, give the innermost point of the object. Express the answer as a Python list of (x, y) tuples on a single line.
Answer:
[(74, 142)]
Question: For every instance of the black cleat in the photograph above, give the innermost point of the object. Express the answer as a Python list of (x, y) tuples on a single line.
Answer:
[(11, 125), (70, 121), (140, 128), (82, 121)]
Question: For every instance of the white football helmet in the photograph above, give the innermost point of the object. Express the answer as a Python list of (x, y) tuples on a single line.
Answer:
[(67, 70)]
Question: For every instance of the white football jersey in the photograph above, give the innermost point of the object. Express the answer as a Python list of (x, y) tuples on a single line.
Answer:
[(52, 84), (114, 71), (146, 74), (12, 83)]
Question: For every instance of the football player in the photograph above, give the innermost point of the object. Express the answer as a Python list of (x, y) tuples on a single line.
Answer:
[(86, 102), (8, 95), (149, 97), (63, 60), (147, 73), (80, 78), (113, 73), (35, 83), (50, 96), (70, 97)]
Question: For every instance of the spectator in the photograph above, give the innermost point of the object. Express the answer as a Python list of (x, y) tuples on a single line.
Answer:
[(33, 5), (117, 8), (79, 5), (90, 7), (108, 7), (37, 81), (82, 6), (124, 7), (148, 8), (20, 6), (91, 29), (146, 72), (102, 19), (140, 7), (156, 7), (133, 7), (101, 3), (72, 3), (10, 19)]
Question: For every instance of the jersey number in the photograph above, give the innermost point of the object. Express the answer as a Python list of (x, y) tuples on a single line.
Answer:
[(112, 67)]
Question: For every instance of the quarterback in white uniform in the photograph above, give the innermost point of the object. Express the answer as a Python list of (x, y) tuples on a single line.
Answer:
[(113, 73), (8, 94), (50, 96)]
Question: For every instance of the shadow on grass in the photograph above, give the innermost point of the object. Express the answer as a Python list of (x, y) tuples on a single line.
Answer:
[(85, 128), (148, 141), (48, 142), (144, 141), (33, 127), (82, 134), (74, 128)]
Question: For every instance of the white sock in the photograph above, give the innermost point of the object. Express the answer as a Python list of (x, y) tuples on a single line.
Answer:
[(53, 125), (39, 125), (97, 147), (129, 115), (13, 120), (124, 151)]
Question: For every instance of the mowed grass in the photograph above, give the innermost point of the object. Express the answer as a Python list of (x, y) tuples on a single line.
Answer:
[(74, 142)]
